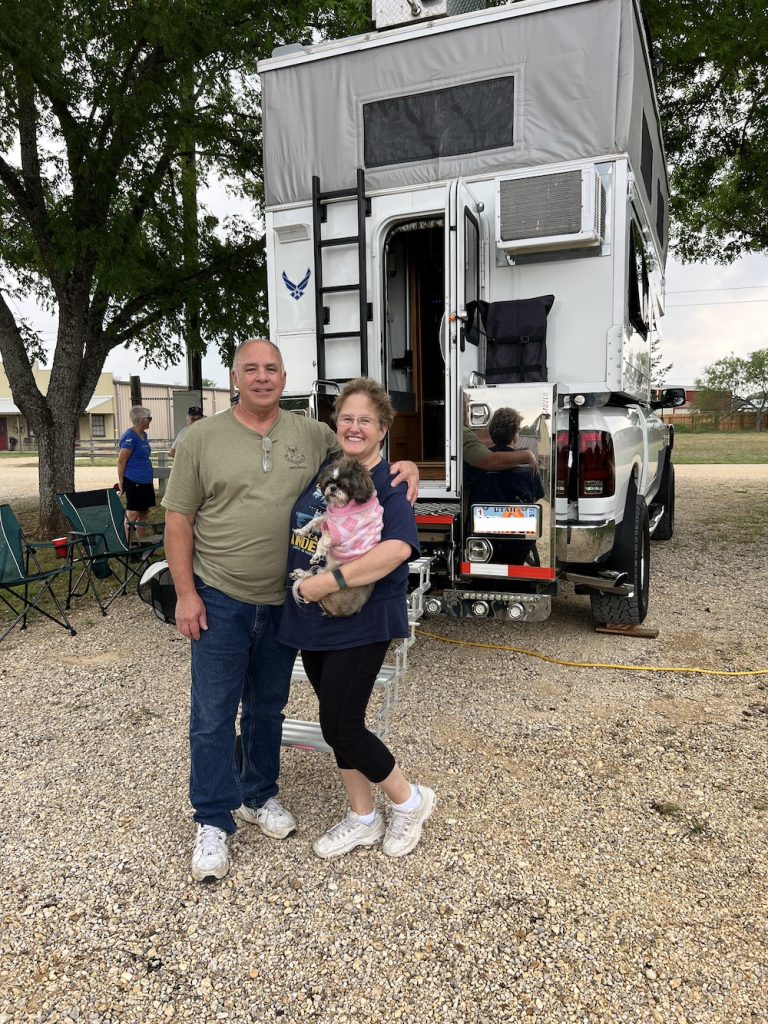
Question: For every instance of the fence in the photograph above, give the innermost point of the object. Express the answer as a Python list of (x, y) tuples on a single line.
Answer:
[(705, 422)]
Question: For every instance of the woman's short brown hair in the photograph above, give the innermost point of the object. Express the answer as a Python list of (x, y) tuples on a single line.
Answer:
[(504, 425), (375, 392)]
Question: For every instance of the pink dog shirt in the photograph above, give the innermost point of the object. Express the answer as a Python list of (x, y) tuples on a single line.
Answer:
[(353, 529)]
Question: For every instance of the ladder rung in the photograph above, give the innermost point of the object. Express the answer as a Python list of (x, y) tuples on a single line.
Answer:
[(342, 193), (303, 734), (345, 240), (326, 289), (386, 674)]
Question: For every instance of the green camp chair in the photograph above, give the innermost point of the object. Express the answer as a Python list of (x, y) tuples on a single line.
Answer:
[(98, 532), (23, 581)]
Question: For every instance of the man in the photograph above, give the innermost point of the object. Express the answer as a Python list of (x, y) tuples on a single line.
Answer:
[(194, 413), (480, 456), (229, 497)]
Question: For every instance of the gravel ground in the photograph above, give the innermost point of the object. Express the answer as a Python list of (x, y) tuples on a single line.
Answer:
[(598, 852)]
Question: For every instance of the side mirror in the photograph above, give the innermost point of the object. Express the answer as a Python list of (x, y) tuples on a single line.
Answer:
[(667, 398)]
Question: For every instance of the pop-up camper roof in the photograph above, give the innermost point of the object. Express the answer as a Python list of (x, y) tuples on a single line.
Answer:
[(535, 82)]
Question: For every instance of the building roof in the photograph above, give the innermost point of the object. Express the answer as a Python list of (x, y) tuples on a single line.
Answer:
[(8, 408), (97, 401)]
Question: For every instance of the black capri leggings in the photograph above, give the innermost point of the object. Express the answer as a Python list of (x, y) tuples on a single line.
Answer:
[(343, 682)]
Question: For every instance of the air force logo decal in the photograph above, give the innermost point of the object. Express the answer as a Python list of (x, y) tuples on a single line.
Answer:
[(297, 290)]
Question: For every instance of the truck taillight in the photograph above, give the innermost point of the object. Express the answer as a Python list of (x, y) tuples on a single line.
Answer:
[(561, 482), (597, 466)]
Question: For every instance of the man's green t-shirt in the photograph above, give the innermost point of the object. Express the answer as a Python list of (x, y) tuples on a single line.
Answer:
[(473, 449), (241, 511)]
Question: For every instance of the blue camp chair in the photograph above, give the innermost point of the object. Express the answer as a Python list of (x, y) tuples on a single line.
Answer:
[(23, 581), (98, 534)]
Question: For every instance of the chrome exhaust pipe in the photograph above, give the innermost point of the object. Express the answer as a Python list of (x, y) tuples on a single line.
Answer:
[(609, 581)]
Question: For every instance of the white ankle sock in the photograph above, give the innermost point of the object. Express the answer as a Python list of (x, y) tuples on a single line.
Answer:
[(367, 819), (412, 802)]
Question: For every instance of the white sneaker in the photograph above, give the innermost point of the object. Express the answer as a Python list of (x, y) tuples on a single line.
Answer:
[(210, 856), (347, 834), (404, 829), (272, 818)]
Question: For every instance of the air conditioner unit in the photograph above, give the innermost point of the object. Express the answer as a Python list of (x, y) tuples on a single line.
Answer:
[(387, 13), (550, 210)]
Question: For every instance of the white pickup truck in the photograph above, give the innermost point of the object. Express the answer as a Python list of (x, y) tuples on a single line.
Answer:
[(471, 206)]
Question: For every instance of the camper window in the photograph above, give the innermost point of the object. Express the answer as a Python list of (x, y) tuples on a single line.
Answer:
[(444, 122), (639, 285), (471, 277), (661, 216), (646, 160)]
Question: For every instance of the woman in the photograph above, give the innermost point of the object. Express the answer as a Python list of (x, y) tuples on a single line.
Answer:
[(342, 656), (134, 470)]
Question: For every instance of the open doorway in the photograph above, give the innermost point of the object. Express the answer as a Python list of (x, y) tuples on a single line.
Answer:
[(414, 296)]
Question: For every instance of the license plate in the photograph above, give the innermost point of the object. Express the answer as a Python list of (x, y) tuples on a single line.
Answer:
[(507, 520)]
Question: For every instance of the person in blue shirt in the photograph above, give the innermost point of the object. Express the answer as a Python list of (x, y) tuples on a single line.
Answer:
[(134, 469), (342, 656)]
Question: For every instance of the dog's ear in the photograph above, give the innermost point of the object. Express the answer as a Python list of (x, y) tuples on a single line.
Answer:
[(360, 483), (328, 474)]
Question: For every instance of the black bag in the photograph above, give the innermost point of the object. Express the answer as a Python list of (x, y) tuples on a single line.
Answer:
[(516, 331), (156, 589)]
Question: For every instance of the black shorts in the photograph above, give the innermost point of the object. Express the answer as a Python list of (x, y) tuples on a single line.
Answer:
[(138, 497)]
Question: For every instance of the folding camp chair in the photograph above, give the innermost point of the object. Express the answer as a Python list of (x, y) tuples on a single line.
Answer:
[(21, 571), (98, 532)]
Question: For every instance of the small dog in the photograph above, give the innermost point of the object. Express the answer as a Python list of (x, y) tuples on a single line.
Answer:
[(350, 526)]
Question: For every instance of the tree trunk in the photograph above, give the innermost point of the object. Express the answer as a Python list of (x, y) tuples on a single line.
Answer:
[(56, 449)]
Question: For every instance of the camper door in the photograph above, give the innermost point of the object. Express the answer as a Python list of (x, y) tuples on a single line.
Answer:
[(463, 287), (431, 272)]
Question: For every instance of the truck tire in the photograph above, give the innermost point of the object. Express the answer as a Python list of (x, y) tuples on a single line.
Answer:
[(633, 556), (666, 496)]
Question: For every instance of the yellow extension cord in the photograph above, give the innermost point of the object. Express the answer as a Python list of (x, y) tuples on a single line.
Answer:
[(586, 664)]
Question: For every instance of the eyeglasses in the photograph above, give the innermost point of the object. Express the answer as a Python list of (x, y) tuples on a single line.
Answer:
[(148, 419), (266, 457), (365, 422)]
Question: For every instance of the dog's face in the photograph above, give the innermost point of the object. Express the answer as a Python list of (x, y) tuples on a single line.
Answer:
[(345, 481)]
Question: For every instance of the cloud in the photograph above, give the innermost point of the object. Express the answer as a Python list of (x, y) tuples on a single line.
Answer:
[(713, 311)]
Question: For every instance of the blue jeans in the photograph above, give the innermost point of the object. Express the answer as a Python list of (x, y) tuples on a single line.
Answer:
[(238, 658)]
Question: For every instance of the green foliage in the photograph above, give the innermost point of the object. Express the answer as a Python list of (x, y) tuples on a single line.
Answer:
[(93, 130), (102, 106), (736, 384), (715, 116)]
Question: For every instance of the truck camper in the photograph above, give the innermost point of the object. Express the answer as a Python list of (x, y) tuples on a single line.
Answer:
[(471, 206)]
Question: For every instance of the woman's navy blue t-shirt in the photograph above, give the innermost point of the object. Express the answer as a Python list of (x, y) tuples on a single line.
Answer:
[(385, 615), (138, 467)]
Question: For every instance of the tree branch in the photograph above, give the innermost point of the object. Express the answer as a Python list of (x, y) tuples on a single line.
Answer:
[(35, 207), (16, 363)]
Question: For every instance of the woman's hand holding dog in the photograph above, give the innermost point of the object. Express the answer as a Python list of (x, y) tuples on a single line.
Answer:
[(369, 568)]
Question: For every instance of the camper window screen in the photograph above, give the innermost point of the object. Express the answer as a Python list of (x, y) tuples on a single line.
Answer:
[(445, 122)]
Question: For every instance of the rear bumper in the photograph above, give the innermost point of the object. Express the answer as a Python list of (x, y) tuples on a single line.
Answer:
[(584, 542)]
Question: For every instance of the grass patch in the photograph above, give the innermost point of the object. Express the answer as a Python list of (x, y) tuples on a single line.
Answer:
[(742, 519), (667, 809), (721, 449), (694, 825)]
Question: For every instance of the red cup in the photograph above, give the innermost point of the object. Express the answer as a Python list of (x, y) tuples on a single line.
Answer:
[(60, 545)]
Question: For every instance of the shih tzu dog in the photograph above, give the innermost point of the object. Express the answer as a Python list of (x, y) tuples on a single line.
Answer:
[(350, 526)]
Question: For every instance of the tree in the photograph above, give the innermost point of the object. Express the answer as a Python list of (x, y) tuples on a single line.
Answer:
[(741, 384), (659, 369), (714, 109), (95, 119)]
